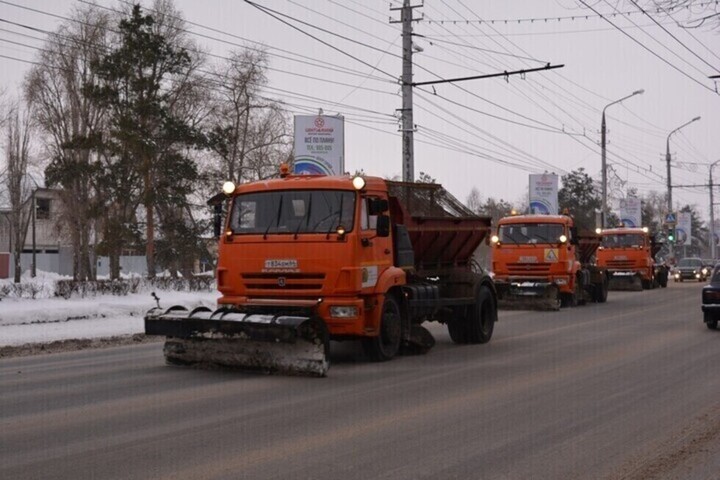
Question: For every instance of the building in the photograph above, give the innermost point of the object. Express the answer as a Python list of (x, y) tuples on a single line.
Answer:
[(44, 237)]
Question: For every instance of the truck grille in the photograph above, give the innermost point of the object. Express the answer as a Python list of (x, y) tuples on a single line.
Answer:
[(284, 281), (620, 264), (528, 268)]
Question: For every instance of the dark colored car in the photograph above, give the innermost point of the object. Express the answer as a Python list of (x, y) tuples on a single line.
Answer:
[(711, 300), (690, 268)]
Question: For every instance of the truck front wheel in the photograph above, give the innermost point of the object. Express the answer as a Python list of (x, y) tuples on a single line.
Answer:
[(386, 344), (478, 323)]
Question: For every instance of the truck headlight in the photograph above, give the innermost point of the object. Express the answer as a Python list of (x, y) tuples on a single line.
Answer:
[(561, 281), (343, 311)]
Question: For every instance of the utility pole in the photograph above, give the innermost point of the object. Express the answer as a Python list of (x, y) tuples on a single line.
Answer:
[(603, 154), (669, 182), (712, 219), (408, 125), (33, 270), (713, 249)]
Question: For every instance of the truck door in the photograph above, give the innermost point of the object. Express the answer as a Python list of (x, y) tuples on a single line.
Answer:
[(376, 253)]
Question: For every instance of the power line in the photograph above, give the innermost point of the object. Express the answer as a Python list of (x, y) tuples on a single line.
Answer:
[(648, 49), (272, 13), (311, 61), (555, 19), (673, 36)]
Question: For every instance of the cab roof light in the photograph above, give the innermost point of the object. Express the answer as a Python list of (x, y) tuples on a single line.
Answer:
[(228, 188), (358, 182)]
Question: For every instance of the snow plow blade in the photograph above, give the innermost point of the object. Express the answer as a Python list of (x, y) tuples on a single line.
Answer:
[(288, 343), (537, 298)]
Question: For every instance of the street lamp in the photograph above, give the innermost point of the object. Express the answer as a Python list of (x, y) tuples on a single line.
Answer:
[(667, 160), (712, 213), (671, 254), (603, 143)]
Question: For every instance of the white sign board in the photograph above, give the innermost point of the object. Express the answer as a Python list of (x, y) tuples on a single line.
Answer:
[(544, 193), (631, 212), (683, 230), (319, 145)]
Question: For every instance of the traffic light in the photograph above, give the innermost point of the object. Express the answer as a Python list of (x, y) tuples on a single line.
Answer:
[(671, 235)]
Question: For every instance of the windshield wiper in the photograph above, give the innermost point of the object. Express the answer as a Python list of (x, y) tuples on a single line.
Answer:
[(327, 235), (307, 216), (542, 239), (277, 219)]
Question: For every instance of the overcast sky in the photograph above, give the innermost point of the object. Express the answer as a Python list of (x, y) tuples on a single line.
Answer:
[(490, 133)]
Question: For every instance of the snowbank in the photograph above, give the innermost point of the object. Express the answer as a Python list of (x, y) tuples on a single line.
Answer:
[(45, 319)]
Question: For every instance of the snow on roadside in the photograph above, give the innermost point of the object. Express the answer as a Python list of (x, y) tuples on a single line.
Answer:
[(48, 319)]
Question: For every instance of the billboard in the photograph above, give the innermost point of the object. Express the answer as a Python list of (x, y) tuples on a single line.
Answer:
[(544, 193), (319, 145), (683, 230), (631, 212)]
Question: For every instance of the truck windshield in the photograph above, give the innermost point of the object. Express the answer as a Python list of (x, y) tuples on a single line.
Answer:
[(623, 240), (524, 233), (293, 212)]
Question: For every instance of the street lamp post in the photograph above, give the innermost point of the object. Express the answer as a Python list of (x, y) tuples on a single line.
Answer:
[(603, 150), (669, 182), (712, 213)]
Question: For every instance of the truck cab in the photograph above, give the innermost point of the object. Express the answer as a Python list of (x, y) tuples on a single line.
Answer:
[(628, 253), (543, 257), (302, 238)]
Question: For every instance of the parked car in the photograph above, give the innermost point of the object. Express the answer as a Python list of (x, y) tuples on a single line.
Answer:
[(690, 268), (711, 300)]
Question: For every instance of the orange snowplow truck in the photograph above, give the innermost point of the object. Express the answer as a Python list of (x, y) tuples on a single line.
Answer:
[(542, 262), (628, 253), (308, 259)]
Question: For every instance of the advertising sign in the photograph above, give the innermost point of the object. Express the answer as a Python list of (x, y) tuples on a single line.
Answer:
[(319, 145), (631, 212), (544, 193), (683, 230)]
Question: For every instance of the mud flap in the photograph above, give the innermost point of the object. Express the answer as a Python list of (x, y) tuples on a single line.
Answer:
[(287, 344), (419, 342)]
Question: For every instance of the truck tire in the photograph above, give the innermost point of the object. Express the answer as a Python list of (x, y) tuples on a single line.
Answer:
[(573, 299), (479, 321), (386, 344), (600, 292)]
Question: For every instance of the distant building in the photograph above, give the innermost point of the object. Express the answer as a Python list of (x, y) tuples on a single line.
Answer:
[(52, 247)]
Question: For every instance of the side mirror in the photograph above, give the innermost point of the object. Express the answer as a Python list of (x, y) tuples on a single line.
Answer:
[(217, 219), (377, 206), (383, 225)]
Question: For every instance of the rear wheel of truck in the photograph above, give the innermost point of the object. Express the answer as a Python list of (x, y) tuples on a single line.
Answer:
[(478, 323), (600, 290), (387, 344)]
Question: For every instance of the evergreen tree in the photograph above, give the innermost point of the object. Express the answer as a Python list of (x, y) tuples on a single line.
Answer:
[(138, 83), (579, 197)]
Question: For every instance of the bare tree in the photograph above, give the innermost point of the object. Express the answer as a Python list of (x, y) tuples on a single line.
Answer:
[(249, 134), (69, 122), (18, 131)]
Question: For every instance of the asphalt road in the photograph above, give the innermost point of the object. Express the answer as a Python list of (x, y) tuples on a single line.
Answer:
[(627, 389)]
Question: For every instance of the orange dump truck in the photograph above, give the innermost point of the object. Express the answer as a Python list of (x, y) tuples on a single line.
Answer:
[(541, 261), (308, 259), (628, 253)]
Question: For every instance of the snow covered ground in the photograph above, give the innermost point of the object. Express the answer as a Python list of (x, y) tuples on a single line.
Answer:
[(46, 319)]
